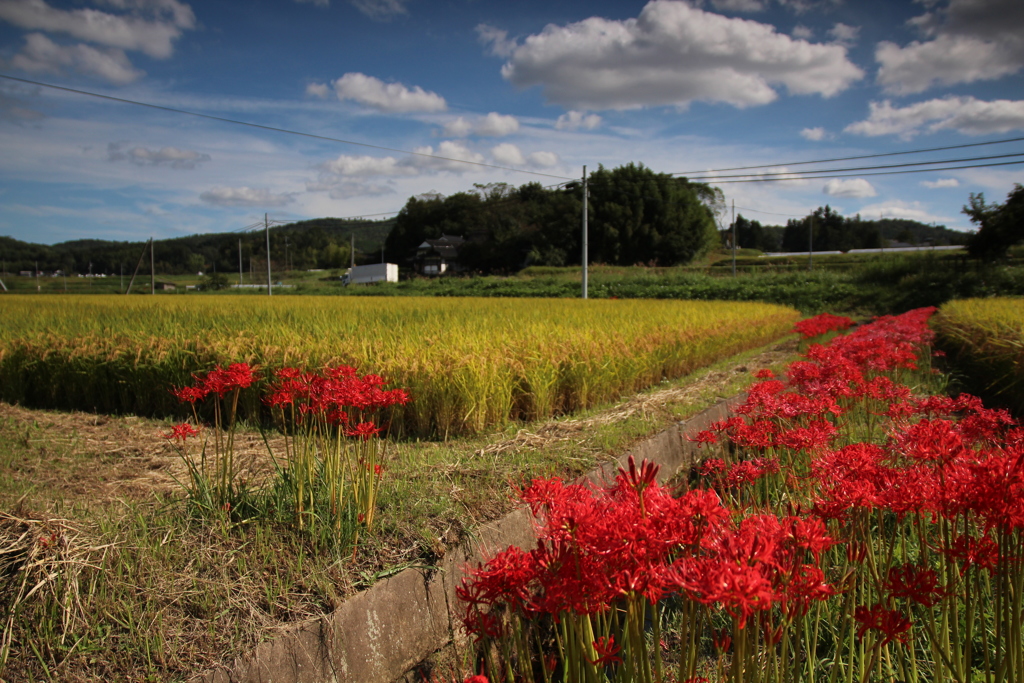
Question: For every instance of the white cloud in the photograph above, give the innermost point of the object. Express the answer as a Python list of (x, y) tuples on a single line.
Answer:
[(317, 3), (968, 40), (940, 183), (343, 188), (543, 159), (154, 36), (245, 196), (915, 211), (42, 55), (451, 152), (851, 187), (367, 166), (496, 125), (844, 34), (380, 10), (572, 120), (508, 154), (387, 97), (492, 125), (802, 32), (499, 41), (814, 134), (317, 90), (674, 54), (182, 159), (963, 114)]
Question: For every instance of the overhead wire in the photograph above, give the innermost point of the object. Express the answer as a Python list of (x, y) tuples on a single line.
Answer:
[(789, 177), (852, 158), (275, 129)]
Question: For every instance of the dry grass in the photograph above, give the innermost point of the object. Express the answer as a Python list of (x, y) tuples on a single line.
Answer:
[(156, 596)]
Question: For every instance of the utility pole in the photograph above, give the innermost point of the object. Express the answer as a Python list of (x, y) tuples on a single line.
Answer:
[(239, 261), (286, 266), (810, 245), (266, 226), (137, 266), (585, 257), (152, 269), (352, 250), (734, 238), (38, 286)]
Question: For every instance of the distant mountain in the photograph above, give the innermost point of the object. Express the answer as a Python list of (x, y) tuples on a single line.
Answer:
[(316, 243)]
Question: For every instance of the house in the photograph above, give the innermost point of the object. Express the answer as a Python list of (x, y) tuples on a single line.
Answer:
[(436, 257)]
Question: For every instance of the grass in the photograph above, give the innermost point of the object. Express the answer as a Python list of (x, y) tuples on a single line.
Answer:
[(161, 596)]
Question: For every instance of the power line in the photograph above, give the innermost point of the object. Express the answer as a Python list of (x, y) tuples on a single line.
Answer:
[(796, 176), (274, 128), (865, 168), (863, 156)]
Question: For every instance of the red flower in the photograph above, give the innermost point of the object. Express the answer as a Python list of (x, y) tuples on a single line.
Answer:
[(820, 324), (607, 651), (479, 678), (915, 583), (190, 394), (181, 432), (890, 622), (364, 431)]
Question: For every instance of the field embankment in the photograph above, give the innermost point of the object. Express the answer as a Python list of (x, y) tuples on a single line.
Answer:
[(986, 340), (468, 363)]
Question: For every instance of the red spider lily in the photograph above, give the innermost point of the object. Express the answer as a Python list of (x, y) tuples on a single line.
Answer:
[(236, 376), (915, 583), (822, 323), (181, 432), (806, 584), (980, 552), (364, 431), (764, 373), (190, 394), (890, 622), (478, 678), (607, 652)]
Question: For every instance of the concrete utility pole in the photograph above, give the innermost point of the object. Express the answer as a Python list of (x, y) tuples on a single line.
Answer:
[(810, 245), (585, 249), (266, 226), (734, 238)]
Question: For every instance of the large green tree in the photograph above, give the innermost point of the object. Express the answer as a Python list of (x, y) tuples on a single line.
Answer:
[(1000, 226)]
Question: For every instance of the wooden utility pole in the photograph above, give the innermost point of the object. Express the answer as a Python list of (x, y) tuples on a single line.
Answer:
[(810, 245), (239, 261), (734, 238), (137, 266), (152, 269), (585, 256)]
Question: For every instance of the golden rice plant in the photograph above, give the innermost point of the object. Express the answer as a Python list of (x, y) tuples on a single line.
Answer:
[(468, 363), (986, 337)]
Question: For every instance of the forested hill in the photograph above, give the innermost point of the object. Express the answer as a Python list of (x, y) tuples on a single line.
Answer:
[(316, 243)]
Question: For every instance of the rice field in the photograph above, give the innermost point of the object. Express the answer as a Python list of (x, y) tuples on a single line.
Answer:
[(986, 337), (467, 363)]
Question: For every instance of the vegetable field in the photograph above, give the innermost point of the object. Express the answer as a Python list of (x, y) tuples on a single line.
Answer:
[(986, 337), (467, 363)]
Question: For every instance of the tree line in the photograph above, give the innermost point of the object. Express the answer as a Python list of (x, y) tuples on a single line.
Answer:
[(635, 216)]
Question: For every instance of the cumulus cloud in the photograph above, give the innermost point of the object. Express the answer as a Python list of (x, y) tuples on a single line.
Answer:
[(181, 159), (965, 41), (844, 34), (42, 55), (814, 134), (940, 183), (573, 120), (963, 114), (498, 40), (245, 196), (150, 27), (802, 32), (542, 159), (348, 176), (375, 93), (508, 155), (318, 90), (493, 125), (674, 54), (380, 10), (915, 211), (849, 187)]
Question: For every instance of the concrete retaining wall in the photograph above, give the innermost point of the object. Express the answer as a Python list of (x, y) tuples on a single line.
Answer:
[(379, 635)]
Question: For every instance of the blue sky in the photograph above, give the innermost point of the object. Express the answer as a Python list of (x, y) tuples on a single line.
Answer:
[(537, 88)]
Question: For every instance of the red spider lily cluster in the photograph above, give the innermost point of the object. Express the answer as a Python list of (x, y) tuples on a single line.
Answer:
[(217, 381), (899, 508), (334, 395), (822, 324)]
